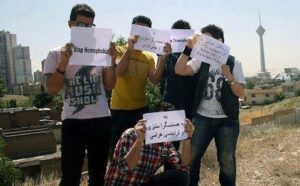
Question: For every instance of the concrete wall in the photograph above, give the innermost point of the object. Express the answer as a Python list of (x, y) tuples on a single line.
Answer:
[(57, 132), (29, 143), (263, 119), (26, 118), (5, 120), (289, 116), (19, 119), (297, 115), (286, 116)]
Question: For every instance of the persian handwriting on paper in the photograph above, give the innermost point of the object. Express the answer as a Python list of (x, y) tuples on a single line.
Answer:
[(165, 126)]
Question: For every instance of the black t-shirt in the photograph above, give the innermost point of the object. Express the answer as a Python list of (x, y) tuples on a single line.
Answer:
[(178, 90)]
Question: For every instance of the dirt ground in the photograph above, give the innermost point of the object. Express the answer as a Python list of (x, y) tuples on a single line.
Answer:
[(268, 156)]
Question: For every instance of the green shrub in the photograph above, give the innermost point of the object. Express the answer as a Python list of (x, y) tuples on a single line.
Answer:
[(154, 96), (297, 92), (11, 103), (9, 172), (42, 99), (279, 97)]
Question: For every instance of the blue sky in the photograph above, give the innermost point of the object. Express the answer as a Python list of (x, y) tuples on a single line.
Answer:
[(42, 25)]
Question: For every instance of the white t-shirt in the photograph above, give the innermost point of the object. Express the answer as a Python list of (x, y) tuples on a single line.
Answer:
[(209, 105), (84, 95)]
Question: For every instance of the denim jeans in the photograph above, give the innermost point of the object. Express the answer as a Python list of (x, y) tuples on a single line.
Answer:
[(225, 132)]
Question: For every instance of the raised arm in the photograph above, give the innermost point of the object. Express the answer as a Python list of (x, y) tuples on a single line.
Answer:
[(133, 155), (181, 67), (55, 81), (109, 75), (124, 62), (186, 144), (155, 74)]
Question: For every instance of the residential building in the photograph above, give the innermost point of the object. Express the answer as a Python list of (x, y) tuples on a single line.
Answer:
[(7, 66), (38, 76), (22, 64), (260, 96)]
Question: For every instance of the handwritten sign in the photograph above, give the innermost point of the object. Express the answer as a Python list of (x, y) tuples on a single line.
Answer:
[(210, 50), (151, 40), (91, 46), (178, 38), (165, 126)]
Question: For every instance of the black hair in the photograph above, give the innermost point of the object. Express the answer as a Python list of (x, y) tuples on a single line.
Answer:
[(143, 20), (181, 24), (83, 10), (214, 30)]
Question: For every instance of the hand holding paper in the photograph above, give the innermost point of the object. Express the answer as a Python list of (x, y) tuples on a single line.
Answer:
[(209, 50), (91, 46), (140, 130), (166, 126), (150, 39), (131, 41), (193, 40)]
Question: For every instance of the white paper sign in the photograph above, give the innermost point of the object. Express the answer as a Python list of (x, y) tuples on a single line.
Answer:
[(210, 50), (150, 39), (165, 126), (91, 46), (178, 39)]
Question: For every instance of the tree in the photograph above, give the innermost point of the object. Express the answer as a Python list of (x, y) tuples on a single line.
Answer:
[(250, 85), (3, 89), (120, 40), (42, 99)]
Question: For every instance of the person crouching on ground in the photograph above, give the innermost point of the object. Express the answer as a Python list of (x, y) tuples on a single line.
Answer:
[(135, 163)]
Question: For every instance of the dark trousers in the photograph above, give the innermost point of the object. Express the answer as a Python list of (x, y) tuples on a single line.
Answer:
[(122, 120), (79, 136), (169, 178), (225, 132)]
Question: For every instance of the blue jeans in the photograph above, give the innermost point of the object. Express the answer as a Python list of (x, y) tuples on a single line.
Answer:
[(225, 132)]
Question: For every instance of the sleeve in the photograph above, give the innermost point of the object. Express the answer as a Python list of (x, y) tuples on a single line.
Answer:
[(238, 72), (175, 159), (151, 62), (122, 148), (194, 64), (120, 51), (51, 62)]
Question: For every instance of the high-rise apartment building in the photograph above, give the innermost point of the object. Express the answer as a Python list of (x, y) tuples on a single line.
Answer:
[(7, 66), (38, 76), (15, 62), (22, 64)]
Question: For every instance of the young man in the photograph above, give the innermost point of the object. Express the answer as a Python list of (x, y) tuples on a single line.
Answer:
[(86, 121), (177, 90), (135, 163), (216, 107), (129, 101)]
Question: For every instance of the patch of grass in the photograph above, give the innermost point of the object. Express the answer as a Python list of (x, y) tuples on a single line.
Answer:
[(250, 131), (285, 173)]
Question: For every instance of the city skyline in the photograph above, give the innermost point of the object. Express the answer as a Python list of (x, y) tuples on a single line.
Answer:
[(15, 63), (43, 25)]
